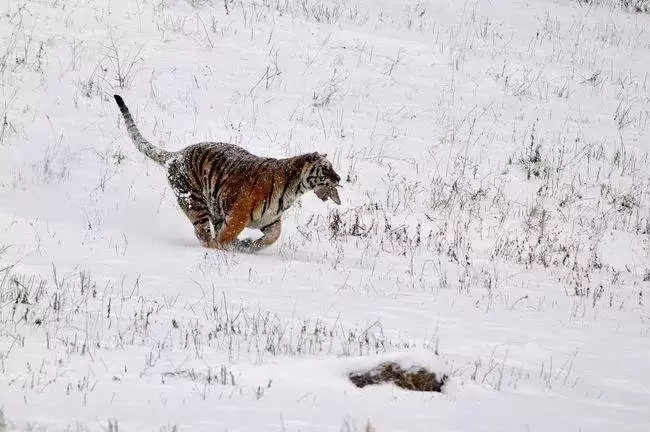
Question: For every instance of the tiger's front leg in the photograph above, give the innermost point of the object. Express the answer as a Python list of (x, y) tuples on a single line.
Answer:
[(271, 233), (235, 223)]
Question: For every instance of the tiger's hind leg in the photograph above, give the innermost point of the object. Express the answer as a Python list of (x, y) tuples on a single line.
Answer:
[(194, 206), (198, 213)]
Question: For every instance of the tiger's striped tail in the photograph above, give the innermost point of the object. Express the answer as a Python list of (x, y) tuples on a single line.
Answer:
[(155, 153)]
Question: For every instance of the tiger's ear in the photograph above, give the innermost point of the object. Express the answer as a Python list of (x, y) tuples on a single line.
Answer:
[(323, 155), (312, 157)]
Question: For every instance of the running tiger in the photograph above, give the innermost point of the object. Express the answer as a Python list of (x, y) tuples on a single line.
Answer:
[(223, 188)]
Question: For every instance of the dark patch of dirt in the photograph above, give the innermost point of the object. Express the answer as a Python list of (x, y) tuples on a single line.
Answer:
[(414, 378)]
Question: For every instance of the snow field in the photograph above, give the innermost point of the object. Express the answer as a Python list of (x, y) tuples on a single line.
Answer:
[(494, 225)]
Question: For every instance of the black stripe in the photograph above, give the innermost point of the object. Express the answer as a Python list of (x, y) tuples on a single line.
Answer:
[(269, 198), (201, 220), (281, 201), (202, 157), (266, 226), (190, 167), (215, 192), (219, 210), (197, 195), (213, 169), (310, 176), (197, 169), (258, 168), (225, 169), (216, 179)]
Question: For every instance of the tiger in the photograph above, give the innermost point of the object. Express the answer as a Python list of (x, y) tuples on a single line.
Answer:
[(222, 188)]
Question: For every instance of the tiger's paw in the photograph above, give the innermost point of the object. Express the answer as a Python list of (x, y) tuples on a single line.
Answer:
[(246, 245)]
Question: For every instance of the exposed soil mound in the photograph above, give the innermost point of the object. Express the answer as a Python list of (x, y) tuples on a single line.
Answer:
[(413, 378)]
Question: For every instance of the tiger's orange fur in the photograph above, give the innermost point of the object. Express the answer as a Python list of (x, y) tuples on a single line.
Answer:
[(223, 188)]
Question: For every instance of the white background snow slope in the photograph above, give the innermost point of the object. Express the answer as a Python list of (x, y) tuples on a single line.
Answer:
[(495, 221)]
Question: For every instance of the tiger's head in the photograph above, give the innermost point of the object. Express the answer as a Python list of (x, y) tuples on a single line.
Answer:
[(319, 176)]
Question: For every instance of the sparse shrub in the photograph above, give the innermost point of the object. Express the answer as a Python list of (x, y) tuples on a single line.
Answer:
[(122, 63), (350, 223), (4, 426), (330, 89), (623, 202), (91, 86), (7, 129), (197, 4), (532, 160), (223, 377), (636, 5), (322, 12), (118, 156)]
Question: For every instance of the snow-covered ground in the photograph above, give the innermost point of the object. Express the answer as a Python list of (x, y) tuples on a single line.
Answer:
[(495, 223)]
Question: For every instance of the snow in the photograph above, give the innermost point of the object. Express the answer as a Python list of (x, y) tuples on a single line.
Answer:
[(494, 225)]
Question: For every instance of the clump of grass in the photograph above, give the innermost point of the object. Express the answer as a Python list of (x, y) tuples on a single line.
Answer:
[(413, 378), (532, 160)]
